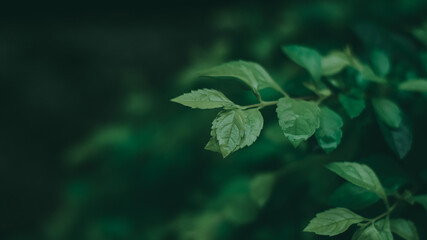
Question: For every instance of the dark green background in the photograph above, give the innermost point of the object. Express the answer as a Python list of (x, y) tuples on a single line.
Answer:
[(92, 148)]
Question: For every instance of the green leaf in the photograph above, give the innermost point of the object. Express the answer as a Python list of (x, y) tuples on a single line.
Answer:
[(369, 233), (261, 186), (404, 228), (298, 119), (307, 58), (380, 62), (398, 139), (334, 63), (250, 73), (204, 99), (421, 199), (383, 227), (416, 85), (360, 175), (329, 133), (253, 125), (353, 106), (351, 196), (229, 129), (387, 111), (333, 221)]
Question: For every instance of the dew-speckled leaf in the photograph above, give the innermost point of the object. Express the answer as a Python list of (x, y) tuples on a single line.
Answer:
[(398, 139), (421, 199), (307, 58), (253, 126), (298, 119), (353, 197), (404, 228), (333, 222), (229, 127), (261, 186), (253, 74), (416, 85), (329, 133), (204, 99), (387, 111), (334, 63), (353, 106), (360, 175)]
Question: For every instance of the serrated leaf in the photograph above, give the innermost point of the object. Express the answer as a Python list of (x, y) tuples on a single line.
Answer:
[(229, 128), (261, 186), (387, 111), (421, 199), (360, 175), (334, 63), (383, 227), (369, 233), (250, 73), (213, 145), (333, 221), (398, 139), (307, 58), (353, 197), (204, 99), (253, 126), (416, 85), (353, 106), (298, 119), (404, 228), (329, 133)]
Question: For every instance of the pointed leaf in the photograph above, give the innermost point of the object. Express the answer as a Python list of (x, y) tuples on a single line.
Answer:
[(360, 175), (298, 119), (353, 106), (421, 199), (307, 58), (261, 186), (253, 125), (383, 227), (333, 222), (351, 196), (387, 111), (329, 133), (334, 63), (204, 99), (229, 128), (416, 85), (399, 139), (250, 73), (369, 233), (404, 228)]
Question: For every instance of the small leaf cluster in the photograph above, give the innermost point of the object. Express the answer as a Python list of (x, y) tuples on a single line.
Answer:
[(338, 220), (237, 126)]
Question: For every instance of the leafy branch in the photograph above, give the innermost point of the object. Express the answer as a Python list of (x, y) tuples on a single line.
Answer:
[(236, 127)]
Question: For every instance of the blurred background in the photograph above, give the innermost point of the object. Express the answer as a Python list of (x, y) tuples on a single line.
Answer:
[(91, 147)]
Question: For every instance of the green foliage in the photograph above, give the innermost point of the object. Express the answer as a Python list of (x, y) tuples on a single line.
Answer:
[(204, 99), (360, 175), (404, 228), (388, 112), (329, 133), (307, 58), (342, 84), (353, 106), (333, 222), (298, 119), (416, 85)]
